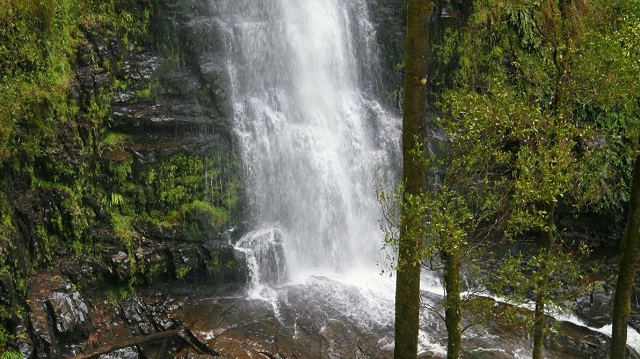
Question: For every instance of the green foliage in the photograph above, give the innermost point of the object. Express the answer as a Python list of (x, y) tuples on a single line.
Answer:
[(182, 271), (10, 354), (47, 145), (183, 194), (543, 112), (122, 225), (38, 39), (151, 91), (520, 124)]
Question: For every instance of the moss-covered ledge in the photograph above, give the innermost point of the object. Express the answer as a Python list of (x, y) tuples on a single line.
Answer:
[(117, 165)]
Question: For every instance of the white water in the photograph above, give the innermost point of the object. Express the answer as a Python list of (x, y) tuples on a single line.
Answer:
[(311, 131), (633, 337), (312, 135)]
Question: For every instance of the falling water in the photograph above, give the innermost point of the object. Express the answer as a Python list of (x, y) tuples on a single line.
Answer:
[(303, 75), (314, 138)]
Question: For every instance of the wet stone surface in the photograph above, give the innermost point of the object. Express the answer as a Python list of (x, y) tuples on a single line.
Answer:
[(70, 314), (314, 320)]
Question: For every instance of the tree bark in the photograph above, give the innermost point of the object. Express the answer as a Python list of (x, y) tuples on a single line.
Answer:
[(627, 271), (414, 178), (538, 326), (183, 333), (129, 343), (542, 290), (453, 310)]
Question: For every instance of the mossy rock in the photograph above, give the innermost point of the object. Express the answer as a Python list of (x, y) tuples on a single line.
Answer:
[(225, 264)]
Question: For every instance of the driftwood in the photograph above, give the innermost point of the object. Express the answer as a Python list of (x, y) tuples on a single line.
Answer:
[(202, 348), (184, 333)]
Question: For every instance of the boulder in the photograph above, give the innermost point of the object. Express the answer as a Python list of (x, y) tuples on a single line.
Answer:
[(126, 353), (70, 314), (45, 342), (224, 263)]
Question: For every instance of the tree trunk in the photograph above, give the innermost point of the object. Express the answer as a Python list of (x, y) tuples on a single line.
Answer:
[(414, 178), (453, 310), (627, 271), (542, 290), (538, 326)]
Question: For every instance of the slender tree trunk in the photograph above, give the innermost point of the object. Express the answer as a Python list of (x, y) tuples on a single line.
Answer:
[(627, 271), (542, 290), (538, 325), (453, 310), (414, 178)]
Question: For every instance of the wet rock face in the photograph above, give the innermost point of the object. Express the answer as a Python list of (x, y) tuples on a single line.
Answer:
[(181, 84), (225, 264), (70, 314), (595, 308), (45, 342), (304, 321), (389, 17), (126, 353), (264, 250), (59, 317)]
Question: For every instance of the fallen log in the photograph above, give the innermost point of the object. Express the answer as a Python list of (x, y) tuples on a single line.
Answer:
[(184, 333), (202, 348)]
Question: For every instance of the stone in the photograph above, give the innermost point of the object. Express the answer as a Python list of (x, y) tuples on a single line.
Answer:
[(595, 309), (71, 317), (186, 259), (126, 353), (265, 255), (224, 263), (45, 341), (137, 316), (23, 342)]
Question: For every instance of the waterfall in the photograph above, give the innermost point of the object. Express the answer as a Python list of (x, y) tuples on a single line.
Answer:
[(312, 134)]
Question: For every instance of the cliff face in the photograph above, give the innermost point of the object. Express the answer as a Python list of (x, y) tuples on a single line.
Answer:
[(118, 165)]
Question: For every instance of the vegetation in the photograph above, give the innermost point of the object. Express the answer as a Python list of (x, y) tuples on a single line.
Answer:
[(45, 167), (66, 174), (531, 125), (527, 64)]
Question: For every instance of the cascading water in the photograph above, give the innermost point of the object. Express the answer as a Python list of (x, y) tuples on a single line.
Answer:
[(311, 132), (302, 76)]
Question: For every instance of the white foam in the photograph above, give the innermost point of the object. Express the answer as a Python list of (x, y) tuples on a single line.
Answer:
[(633, 337)]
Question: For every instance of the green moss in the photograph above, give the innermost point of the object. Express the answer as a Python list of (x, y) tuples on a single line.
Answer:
[(223, 266), (151, 91), (189, 186), (182, 271), (47, 145)]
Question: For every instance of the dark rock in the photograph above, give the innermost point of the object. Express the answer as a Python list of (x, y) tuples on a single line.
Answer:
[(155, 262), (24, 343), (595, 309), (120, 266), (138, 316), (265, 253), (71, 317), (8, 298), (224, 263), (45, 341), (126, 353), (186, 258)]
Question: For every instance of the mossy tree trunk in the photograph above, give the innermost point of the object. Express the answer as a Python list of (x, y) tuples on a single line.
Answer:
[(627, 270), (542, 290), (414, 178), (453, 311)]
